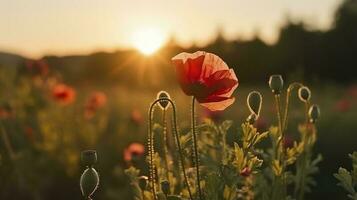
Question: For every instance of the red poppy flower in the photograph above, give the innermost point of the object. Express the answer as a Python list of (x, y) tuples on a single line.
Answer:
[(245, 172), (63, 94), (206, 77), (136, 117), (94, 102), (343, 105), (37, 67), (352, 91), (29, 133), (133, 150), (4, 113), (288, 142)]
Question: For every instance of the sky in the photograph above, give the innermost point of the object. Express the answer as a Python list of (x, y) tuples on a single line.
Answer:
[(35, 28)]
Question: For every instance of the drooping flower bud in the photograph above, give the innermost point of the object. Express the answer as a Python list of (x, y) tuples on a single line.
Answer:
[(89, 157), (314, 113), (165, 187), (164, 104), (252, 118), (143, 181), (89, 182), (276, 84), (90, 179), (304, 94), (254, 102)]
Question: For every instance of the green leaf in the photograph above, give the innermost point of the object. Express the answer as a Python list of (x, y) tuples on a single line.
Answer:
[(174, 197), (345, 180)]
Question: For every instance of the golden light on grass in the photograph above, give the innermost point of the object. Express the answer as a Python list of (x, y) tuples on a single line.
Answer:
[(148, 40)]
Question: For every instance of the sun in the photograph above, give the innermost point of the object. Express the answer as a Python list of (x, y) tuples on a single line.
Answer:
[(148, 40)]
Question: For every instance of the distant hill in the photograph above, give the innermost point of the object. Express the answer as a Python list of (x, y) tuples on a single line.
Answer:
[(9, 59)]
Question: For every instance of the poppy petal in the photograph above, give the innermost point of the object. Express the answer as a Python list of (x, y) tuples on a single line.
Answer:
[(211, 64), (218, 106)]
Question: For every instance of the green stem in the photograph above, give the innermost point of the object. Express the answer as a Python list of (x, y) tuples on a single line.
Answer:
[(151, 151), (278, 111), (166, 152), (300, 190), (7, 143), (288, 94), (307, 106), (178, 143), (195, 148), (281, 155)]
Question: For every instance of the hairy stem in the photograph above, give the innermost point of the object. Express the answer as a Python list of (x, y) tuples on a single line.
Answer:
[(307, 106), (151, 151), (281, 154), (287, 101), (195, 148), (178, 143), (166, 152)]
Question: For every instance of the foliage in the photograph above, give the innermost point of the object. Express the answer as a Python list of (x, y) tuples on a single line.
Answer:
[(348, 179)]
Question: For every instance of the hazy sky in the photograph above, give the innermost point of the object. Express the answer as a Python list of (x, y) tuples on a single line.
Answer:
[(37, 27)]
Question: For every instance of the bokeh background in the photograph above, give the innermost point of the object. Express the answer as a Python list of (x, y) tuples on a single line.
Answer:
[(78, 75)]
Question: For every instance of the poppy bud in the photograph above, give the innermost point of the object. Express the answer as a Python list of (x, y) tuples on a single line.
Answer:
[(89, 182), (304, 94), (276, 84), (89, 157), (254, 101), (143, 181), (165, 187), (164, 104), (314, 113), (252, 118), (245, 172)]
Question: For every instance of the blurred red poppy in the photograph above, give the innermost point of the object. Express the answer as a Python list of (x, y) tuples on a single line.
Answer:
[(29, 133), (288, 142), (343, 105), (136, 117), (37, 67), (352, 91), (262, 124), (206, 77), (245, 172), (94, 102), (133, 151), (63, 93), (4, 113)]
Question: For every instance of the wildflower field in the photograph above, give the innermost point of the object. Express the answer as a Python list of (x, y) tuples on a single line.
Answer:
[(46, 124)]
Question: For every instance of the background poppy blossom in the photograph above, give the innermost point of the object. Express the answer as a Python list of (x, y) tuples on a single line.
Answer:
[(133, 150), (94, 102), (206, 77), (63, 93)]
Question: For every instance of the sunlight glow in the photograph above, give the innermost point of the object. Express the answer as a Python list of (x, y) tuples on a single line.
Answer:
[(148, 41)]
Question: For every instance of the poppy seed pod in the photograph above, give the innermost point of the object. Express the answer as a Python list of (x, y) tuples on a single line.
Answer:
[(143, 181), (252, 118), (254, 102), (314, 113), (89, 157), (163, 103), (165, 187), (89, 182), (276, 83), (304, 94)]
